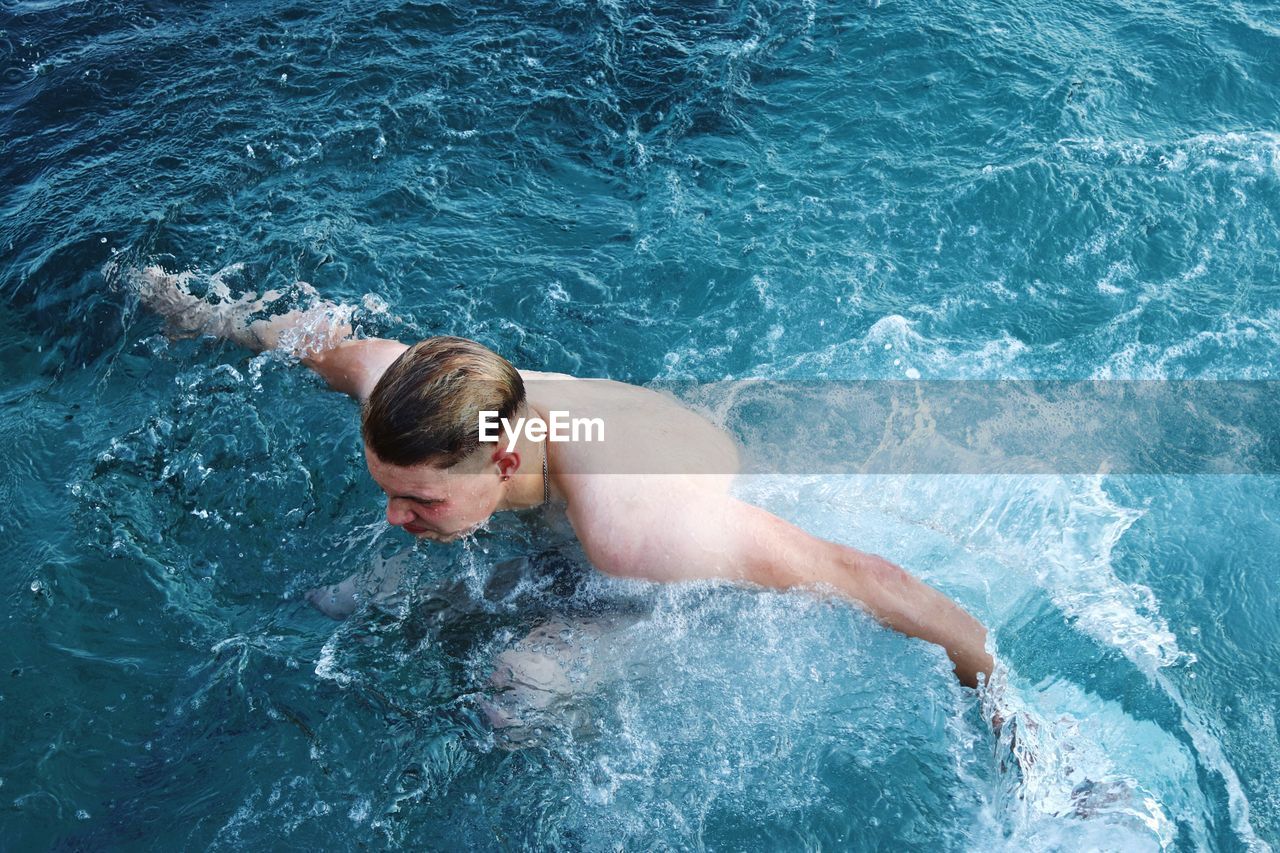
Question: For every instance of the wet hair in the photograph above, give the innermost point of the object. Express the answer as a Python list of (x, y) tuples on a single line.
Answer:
[(426, 407)]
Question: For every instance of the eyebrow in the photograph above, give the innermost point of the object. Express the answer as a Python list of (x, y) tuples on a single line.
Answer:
[(419, 499)]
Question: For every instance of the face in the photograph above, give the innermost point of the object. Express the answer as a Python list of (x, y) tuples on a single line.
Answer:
[(440, 504)]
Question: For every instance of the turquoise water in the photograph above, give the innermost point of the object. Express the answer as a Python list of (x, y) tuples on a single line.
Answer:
[(647, 192)]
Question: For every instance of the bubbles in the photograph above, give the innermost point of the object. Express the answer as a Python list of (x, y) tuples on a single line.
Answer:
[(359, 813)]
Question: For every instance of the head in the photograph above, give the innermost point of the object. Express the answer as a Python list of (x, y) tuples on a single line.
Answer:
[(421, 436)]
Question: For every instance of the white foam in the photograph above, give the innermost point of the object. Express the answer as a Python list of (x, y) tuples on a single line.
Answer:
[(1225, 351), (990, 542), (327, 666), (895, 338), (1255, 153)]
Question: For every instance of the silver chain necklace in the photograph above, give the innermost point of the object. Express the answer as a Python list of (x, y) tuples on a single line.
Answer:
[(546, 481)]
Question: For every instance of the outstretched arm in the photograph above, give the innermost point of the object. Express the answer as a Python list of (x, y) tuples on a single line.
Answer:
[(665, 529), (320, 336)]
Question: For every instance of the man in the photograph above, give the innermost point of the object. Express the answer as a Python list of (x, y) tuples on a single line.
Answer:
[(651, 501)]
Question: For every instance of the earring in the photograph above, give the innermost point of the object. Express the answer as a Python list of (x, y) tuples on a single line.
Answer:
[(506, 477)]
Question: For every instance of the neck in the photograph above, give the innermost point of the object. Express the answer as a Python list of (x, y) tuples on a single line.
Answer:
[(524, 489)]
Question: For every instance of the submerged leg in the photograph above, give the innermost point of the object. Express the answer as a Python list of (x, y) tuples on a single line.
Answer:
[(535, 682), (381, 585), (337, 601)]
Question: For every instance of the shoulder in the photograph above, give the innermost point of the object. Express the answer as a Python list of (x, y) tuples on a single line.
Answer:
[(542, 375)]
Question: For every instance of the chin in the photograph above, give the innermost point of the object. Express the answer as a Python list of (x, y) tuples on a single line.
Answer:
[(461, 534), (445, 538)]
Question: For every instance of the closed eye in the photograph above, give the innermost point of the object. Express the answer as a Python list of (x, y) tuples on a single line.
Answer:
[(430, 503)]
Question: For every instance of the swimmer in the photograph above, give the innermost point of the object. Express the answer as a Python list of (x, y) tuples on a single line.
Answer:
[(420, 414)]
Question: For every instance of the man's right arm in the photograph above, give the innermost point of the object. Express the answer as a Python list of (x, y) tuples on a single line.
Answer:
[(664, 529), (320, 335)]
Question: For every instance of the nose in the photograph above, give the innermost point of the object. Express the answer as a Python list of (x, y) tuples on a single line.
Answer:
[(398, 514)]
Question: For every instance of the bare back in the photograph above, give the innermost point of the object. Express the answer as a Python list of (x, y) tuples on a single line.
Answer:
[(645, 432)]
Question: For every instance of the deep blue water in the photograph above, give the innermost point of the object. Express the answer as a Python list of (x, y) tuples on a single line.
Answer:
[(646, 192)]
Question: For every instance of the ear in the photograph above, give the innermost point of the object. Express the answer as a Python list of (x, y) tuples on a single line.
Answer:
[(508, 462)]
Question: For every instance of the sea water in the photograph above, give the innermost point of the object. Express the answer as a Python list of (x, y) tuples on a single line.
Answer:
[(649, 192)]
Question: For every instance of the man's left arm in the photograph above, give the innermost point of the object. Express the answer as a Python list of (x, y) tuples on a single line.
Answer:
[(666, 529), (320, 336)]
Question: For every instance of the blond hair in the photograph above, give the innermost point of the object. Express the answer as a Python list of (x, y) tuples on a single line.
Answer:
[(426, 407)]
